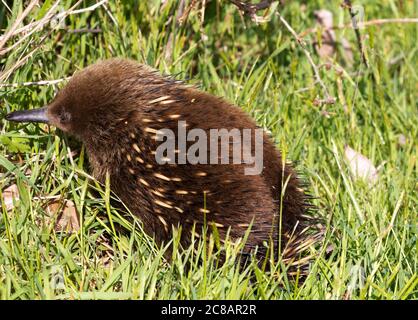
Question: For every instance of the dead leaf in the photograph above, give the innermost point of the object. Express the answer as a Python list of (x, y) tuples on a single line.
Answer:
[(324, 18), (401, 140), (67, 219), (360, 166), (328, 46), (10, 196)]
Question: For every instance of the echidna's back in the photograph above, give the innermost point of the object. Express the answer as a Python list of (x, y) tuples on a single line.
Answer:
[(192, 195)]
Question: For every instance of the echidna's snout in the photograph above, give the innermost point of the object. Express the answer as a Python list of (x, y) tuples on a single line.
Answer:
[(34, 115)]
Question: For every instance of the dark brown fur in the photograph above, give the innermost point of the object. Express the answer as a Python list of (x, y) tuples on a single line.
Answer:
[(107, 106)]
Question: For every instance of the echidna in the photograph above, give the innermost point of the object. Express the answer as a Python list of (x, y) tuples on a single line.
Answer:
[(118, 107)]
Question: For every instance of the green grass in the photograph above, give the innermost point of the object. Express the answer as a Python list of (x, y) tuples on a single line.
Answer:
[(373, 230)]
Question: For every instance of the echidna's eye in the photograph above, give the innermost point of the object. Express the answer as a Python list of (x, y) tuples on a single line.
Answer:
[(64, 116)]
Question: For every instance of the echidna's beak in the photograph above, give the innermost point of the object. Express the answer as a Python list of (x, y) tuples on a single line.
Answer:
[(34, 115)]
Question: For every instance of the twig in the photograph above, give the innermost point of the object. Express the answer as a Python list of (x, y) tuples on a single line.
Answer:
[(251, 8), (41, 23), (306, 88), (49, 16), (186, 12), (109, 13), (17, 22), (349, 6), (87, 9), (33, 83), (363, 24), (385, 21), (21, 61), (6, 5), (328, 98), (84, 30)]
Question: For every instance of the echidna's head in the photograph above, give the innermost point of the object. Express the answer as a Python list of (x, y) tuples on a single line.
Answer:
[(94, 99)]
